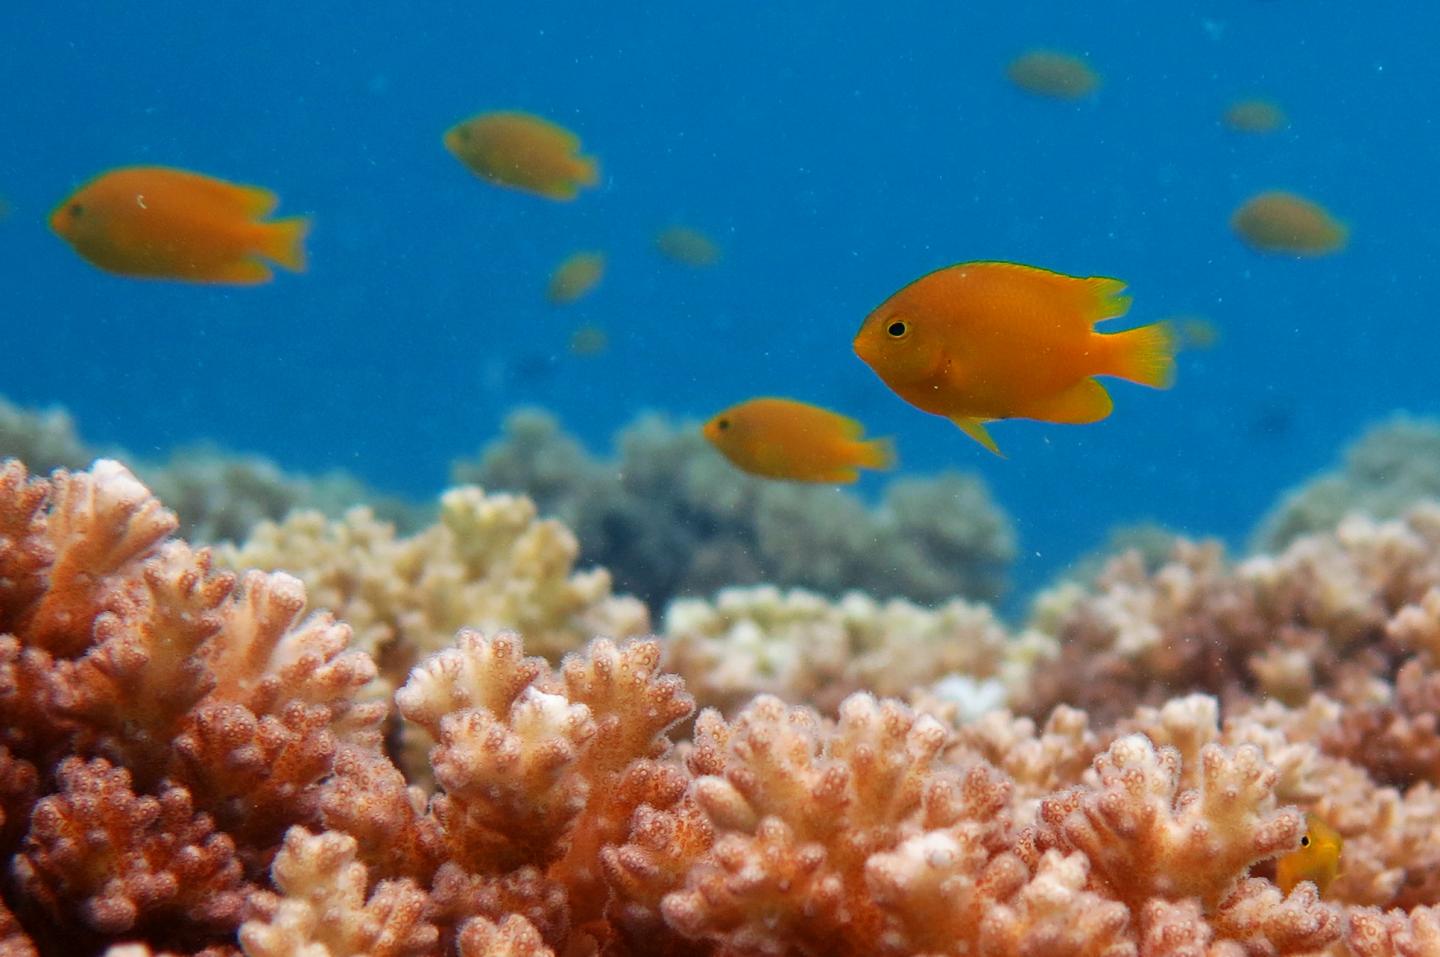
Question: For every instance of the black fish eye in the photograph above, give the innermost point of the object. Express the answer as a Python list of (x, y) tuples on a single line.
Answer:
[(1305, 840), (76, 209), (723, 424), (897, 329)]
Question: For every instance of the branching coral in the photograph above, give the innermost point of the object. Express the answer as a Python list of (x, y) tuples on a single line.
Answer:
[(804, 648), (671, 517), (488, 563), (1395, 464), (191, 764)]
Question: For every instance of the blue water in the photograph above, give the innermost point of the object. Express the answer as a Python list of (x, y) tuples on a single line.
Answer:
[(835, 155)]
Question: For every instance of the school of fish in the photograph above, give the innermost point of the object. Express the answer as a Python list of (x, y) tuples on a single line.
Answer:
[(975, 342)]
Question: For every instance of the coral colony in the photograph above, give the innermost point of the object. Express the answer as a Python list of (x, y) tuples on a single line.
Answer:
[(197, 759)]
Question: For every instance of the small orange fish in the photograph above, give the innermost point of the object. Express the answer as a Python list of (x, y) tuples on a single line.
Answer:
[(524, 152), (589, 341), (1317, 859), (1281, 222), (688, 246), (991, 340), (1254, 116), (1054, 74), (575, 277), (160, 223), (785, 439)]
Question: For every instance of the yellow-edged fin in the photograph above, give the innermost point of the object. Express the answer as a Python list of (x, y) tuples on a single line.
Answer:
[(1084, 402), (284, 242), (251, 201), (1104, 298), (975, 428), (244, 272), (876, 454), (1145, 355)]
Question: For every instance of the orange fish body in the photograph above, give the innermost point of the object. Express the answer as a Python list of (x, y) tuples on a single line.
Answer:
[(1317, 859), (161, 223), (575, 277), (988, 340), (523, 152), (785, 439)]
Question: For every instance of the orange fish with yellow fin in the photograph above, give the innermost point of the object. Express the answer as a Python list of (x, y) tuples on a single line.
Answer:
[(786, 439), (155, 222), (982, 341)]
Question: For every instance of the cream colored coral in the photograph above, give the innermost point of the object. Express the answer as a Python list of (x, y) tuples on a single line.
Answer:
[(324, 910), (488, 563), (805, 648)]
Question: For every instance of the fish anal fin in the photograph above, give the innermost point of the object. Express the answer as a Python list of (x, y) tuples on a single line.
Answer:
[(242, 272), (975, 428), (1084, 402)]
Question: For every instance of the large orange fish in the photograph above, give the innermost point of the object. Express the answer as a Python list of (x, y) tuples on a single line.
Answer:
[(989, 340), (160, 223), (524, 152), (786, 439)]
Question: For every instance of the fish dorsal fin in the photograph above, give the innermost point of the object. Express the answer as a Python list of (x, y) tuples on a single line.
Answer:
[(1106, 301), (975, 428), (251, 201), (1095, 298)]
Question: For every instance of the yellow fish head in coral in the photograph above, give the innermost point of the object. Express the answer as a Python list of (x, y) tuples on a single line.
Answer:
[(1317, 859)]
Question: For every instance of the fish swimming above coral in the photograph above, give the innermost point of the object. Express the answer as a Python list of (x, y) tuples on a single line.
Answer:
[(575, 277), (687, 245), (523, 152), (981, 341), (1053, 74), (155, 222), (1317, 859), (786, 439), (1254, 116), (1281, 222)]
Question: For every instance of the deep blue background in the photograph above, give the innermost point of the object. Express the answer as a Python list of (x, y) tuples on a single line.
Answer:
[(835, 155)]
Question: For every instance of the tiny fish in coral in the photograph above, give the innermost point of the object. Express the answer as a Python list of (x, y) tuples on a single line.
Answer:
[(575, 277), (524, 152), (1254, 116), (786, 439), (1053, 74), (686, 245), (1317, 859), (1281, 222), (155, 222), (983, 341)]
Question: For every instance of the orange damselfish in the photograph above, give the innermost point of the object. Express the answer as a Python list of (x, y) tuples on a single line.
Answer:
[(161, 223), (982, 341), (786, 439), (1317, 859), (524, 152)]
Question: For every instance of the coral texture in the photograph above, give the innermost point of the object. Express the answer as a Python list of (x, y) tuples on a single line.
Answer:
[(671, 517), (191, 764), (487, 563)]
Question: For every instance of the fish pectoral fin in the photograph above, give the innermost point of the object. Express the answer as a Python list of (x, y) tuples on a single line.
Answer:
[(975, 428), (1084, 402)]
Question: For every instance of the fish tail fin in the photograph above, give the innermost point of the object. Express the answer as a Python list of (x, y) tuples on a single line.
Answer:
[(284, 242), (877, 454), (1145, 355), (589, 173)]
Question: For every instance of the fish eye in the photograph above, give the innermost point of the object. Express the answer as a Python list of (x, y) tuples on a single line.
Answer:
[(1305, 840), (897, 329), (77, 210), (723, 424)]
